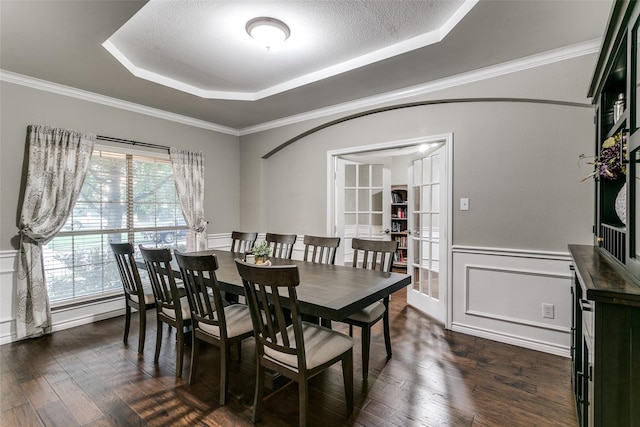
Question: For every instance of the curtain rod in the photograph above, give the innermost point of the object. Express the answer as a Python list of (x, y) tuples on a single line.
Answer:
[(130, 142)]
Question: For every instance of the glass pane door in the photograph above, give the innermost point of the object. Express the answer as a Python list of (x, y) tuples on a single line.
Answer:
[(363, 194), (427, 192)]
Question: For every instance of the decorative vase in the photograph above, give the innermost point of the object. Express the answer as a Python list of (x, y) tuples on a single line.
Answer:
[(260, 259), (621, 204)]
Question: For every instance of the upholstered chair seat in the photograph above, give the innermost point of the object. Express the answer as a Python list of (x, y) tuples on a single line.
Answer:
[(320, 346)]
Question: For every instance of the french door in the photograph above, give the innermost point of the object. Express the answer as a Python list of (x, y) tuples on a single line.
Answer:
[(363, 207), (427, 248)]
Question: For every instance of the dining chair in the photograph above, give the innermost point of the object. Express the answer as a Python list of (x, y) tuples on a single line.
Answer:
[(372, 255), (172, 306), (320, 250), (242, 242), (135, 295), (213, 321), (299, 350), (281, 244)]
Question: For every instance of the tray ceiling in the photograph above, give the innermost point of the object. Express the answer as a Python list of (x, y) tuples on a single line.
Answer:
[(202, 48)]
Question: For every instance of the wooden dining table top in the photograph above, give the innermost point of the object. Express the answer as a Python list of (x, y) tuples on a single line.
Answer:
[(331, 292)]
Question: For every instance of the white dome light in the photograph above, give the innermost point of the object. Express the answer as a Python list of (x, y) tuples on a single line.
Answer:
[(269, 32)]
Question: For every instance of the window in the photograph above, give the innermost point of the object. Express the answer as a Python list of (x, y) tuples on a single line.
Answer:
[(125, 198)]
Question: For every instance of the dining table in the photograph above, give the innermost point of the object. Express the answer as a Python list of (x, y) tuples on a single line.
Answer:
[(326, 291)]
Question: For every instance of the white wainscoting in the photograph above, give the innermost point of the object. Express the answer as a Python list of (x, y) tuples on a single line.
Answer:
[(499, 293), (8, 266)]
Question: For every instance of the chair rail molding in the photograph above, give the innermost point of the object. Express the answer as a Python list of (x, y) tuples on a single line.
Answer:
[(497, 294)]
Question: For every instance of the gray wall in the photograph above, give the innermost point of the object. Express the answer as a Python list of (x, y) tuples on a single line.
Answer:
[(21, 106), (517, 162)]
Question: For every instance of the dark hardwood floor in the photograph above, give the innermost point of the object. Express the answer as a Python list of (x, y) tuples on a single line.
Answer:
[(86, 376)]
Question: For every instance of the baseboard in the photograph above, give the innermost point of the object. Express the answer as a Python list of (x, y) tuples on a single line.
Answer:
[(85, 320), (530, 344)]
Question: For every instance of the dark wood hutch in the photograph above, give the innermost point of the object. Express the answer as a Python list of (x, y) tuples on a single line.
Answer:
[(605, 345)]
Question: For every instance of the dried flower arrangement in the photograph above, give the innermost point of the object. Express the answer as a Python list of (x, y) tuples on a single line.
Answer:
[(609, 163)]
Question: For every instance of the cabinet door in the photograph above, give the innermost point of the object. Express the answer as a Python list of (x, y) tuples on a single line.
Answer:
[(633, 226), (588, 387), (633, 147), (586, 405), (576, 338)]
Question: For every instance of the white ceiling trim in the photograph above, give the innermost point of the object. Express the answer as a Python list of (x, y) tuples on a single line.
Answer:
[(549, 57), (84, 95), (417, 42), (173, 83)]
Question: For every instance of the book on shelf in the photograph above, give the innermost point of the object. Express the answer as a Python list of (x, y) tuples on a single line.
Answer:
[(396, 227), (402, 241), (398, 197)]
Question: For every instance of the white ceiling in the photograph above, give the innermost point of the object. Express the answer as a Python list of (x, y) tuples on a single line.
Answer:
[(202, 47)]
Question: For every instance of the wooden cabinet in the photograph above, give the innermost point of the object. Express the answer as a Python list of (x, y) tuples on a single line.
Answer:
[(605, 344), (399, 227), (605, 348), (617, 144)]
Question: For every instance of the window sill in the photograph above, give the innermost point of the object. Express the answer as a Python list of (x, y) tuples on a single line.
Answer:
[(84, 302)]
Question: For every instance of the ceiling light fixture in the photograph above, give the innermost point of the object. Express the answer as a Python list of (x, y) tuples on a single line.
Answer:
[(269, 32)]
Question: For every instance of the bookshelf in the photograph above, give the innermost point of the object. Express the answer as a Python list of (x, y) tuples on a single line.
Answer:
[(399, 228)]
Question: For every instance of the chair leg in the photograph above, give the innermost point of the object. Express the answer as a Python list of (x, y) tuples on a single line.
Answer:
[(351, 331), (366, 343), (347, 373), (158, 339), (303, 391), (385, 324), (143, 328), (127, 321), (195, 351), (224, 373), (257, 400), (179, 351)]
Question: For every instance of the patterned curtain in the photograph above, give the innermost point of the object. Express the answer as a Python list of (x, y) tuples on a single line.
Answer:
[(188, 173), (58, 163)]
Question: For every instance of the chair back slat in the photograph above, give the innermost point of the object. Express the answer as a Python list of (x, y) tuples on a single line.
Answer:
[(163, 282), (242, 241), (376, 254), (263, 285), (199, 276), (320, 250), (128, 270), (281, 244)]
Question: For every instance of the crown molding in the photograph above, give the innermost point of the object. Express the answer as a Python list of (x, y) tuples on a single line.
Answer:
[(533, 61), (34, 83), (545, 58)]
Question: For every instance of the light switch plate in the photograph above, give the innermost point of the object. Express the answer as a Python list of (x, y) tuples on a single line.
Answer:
[(464, 203)]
